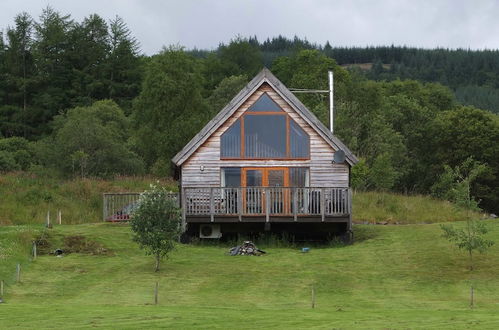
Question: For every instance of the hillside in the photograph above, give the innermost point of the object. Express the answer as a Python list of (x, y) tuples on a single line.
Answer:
[(27, 198), (392, 277)]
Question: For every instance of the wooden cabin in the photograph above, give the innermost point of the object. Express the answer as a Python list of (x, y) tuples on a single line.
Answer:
[(265, 162)]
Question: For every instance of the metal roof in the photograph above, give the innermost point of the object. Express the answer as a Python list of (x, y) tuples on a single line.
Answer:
[(264, 76)]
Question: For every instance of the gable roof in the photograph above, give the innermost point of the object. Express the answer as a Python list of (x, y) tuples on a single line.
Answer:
[(265, 76)]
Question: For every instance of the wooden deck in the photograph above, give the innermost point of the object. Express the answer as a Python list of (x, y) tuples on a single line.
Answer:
[(266, 204)]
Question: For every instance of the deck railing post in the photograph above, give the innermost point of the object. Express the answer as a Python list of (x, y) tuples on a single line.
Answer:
[(104, 208), (267, 204), (240, 203), (212, 208), (322, 197), (295, 205), (184, 208), (349, 208)]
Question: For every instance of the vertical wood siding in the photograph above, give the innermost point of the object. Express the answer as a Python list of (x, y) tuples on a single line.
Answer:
[(322, 172)]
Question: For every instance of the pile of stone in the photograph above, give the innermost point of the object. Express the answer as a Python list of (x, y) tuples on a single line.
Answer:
[(246, 249)]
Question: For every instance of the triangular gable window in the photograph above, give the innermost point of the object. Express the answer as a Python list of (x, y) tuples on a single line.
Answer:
[(264, 104)]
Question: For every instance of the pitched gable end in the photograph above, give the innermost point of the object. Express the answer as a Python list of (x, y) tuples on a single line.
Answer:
[(262, 104)]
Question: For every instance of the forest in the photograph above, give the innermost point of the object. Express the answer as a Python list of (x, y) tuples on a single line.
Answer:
[(81, 99)]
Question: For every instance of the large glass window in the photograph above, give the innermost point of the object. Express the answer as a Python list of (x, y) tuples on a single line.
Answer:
[(265, 136), (231, 141), (265, 131), (298, 141), (265, 103)]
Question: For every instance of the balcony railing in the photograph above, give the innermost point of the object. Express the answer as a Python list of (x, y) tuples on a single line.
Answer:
[(266, 201)]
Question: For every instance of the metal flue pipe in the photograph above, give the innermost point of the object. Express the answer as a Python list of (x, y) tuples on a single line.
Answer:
[(331, 102)]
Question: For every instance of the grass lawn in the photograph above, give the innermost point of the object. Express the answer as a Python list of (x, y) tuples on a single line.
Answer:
[(26, 198), (392, 277)]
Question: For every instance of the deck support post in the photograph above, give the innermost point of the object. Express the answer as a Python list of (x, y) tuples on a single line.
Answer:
[(240, 203), (212, 209), (267, 204), (323, 197), (295, 206)]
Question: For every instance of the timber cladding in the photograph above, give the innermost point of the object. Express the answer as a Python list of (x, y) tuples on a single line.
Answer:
[(202, 168)]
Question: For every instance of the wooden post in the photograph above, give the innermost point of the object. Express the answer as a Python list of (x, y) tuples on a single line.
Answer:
[(471, 297), (18, 273), (267, 204), (240, 203), (184, 208), (48, 219), (156, 293), (34, 250), (1, 289), (212, 208), (350, 197), (295, 205), (322, 197), (313, 297), (59, 217)]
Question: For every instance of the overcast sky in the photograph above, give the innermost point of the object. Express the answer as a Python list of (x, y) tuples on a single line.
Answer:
[(205, 23)]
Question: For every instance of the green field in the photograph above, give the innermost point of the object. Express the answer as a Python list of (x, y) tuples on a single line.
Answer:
[(392, 277)]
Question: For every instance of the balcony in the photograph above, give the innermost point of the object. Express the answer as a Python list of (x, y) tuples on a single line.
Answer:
[(266, 204)]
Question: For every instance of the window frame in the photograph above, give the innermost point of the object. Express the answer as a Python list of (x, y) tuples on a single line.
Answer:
[(242, 155)]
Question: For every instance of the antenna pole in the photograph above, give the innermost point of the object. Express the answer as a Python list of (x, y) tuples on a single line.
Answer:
[(331, 102)]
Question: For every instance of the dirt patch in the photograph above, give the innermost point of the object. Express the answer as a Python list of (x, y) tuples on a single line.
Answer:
[(46, 243), (81, 244)]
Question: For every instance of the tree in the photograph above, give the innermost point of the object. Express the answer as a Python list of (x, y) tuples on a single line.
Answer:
[(92, 141), (463, 132), (470, 238), (225, 91), (155, 223), (123, 67), (170, 109)]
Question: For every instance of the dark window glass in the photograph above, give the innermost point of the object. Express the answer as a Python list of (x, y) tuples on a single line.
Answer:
[(253, 178), (298, 177), (264, 103), (231, 141), (265, 136), (299, 141), (231, 177), (275, 178)]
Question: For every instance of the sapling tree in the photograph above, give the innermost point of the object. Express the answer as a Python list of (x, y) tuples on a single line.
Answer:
[(155, 223), (471, 237)]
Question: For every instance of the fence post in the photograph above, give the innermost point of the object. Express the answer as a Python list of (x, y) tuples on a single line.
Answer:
[(48, 219), (313, 297), (59, 217), (18, 273), (1, 289), (156, 293), (34, 250)]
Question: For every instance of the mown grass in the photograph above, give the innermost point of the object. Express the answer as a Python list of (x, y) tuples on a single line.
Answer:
[(26, 198), (392, 277), (376, 207)]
